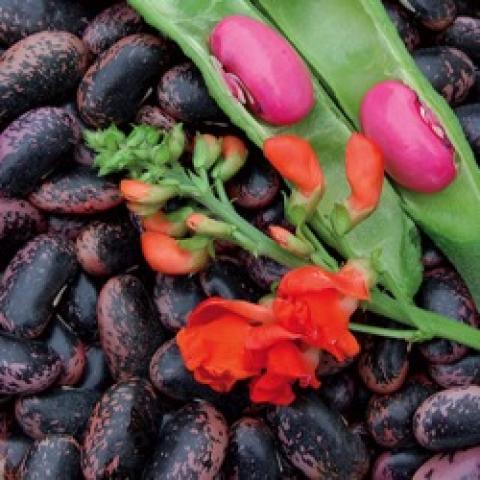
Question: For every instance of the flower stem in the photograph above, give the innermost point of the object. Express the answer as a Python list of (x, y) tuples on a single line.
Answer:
[(408, 335)]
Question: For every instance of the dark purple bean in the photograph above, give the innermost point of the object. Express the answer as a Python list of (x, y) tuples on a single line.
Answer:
[(431, 256), (175, 298), (19, 222), (76, 191), (405, 26), (338, 391), (111, 25), (329, 365), (398, 465), (63, 410), (129, 329), (120, 431), (464, 34), (449, 70), (444, 292), (67, 226), (469, 117), (105, 249), (61, 339), (31, 283), (155, 116), (263, 270), (84, 155), (78, 307), (6, 420), (33, 146), (316, 440), (255, 186), (192, 444), (182, 94), (20, 19), (449, 419), (45, 67), (460, 465), (96, 375), (389, 417), (26, 366), (463, 373), (273, 215), (115, 86), (434, 14), (12, 451), (56, 456), (227, 279), (251, 453), (383, 364), (468, 7)]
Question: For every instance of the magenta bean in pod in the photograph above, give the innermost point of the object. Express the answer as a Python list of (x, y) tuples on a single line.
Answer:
[(76, 191), (449, 419), (55, 456), (120, 432), (418, 154), (26, 366), (398, 464), (272, 80), (129, 329), (30, 285), (111, 25), (63, 410), (459, 465), (192, 444)]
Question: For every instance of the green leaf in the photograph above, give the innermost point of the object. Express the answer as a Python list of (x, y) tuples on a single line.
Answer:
[(189, 22), (351, 45)]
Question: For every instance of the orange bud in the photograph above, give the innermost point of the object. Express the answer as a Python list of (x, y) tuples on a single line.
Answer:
[(203, 225), (296, 161), (289, 241), (232, 145), (165, 255), (137, 191), (234, 153)]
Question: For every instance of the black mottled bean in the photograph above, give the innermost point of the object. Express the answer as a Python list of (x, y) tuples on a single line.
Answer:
[(20, 19), (227, 278), (12, 451), (469, 117), (338, 391), (464, 34), (263, 270), (26, 366), (96, 375), (111, 25), (105, 249), (329, 365), (60, 338), (78, 307), (19, 222), (129, 329), (316, 440), (383, 364), (398, 465), (389, 417), (115, 86), (67, 226), (45, 67), (192, 444), (62, 410), (432, 257), (463, 373), (434, 14), (449, 70), (251, 453), (31, 283), (182, 94), (406, 27), (444, 292), (155, 116), (78, 190), (120, 431), (449, 419), (175, 298), (55, 456), (33, 146)]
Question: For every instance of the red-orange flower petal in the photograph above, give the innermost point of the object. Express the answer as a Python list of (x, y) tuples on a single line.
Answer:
[(296, 161), (265, 336), (270, 388), (215, 351)]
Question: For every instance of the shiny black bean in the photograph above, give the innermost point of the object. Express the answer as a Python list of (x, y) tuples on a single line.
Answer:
[(155, 116), (464, 33), (406, 27), (449, 70), (398, 465), (96, 375), (31, 283), (434, 14), (329, 365), (12, 451), (20, 19), (67, 226), (263, 270), (469, 117), (432, 257), (444, 292), (463, 373), (175, 298), (338, 391), (182, 94)]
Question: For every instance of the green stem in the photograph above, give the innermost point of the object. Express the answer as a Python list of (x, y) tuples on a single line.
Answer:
[(408, 335)]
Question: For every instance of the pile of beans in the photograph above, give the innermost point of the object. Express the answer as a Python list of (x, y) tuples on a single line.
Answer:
[(92, 384)]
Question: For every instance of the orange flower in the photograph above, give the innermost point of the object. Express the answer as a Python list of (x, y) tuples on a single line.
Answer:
[(318, 304), (137, 191), (296, 161)]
